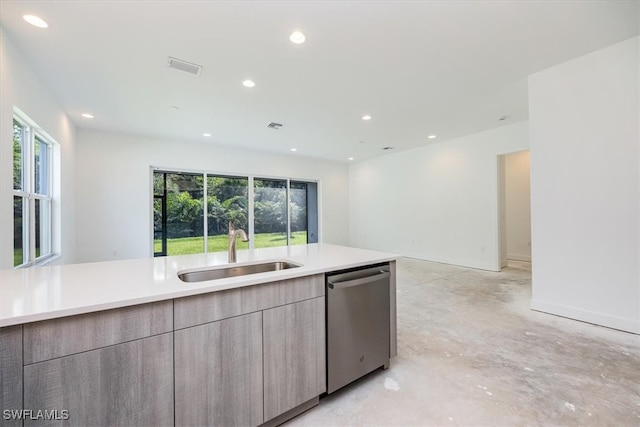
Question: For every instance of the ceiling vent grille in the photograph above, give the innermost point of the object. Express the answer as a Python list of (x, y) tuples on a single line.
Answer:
[(187, 67), (274, 125)]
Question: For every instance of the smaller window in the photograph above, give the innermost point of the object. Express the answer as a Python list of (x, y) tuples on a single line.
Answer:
[(32, 194)]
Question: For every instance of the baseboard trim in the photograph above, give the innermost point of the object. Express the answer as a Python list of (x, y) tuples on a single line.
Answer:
[(515, 257), (601, 319), (456, 262)]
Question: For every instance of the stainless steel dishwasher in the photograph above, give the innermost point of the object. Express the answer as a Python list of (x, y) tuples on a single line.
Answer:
[(357, 324)]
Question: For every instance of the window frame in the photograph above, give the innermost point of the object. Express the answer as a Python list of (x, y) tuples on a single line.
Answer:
[(32, 194), (315, 192)]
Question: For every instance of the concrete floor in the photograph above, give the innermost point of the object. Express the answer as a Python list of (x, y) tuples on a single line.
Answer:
[(471, 352)]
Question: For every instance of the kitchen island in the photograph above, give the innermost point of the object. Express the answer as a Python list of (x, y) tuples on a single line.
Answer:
[(129, 343)]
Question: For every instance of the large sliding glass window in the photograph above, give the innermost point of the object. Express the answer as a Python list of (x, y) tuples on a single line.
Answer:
[(32, 195), (181, 216), (298, 213), (282, 212), (159, 213), (227, 204), (270, 213)]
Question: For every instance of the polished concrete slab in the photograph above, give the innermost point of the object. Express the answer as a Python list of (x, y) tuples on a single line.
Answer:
[(471, 352)]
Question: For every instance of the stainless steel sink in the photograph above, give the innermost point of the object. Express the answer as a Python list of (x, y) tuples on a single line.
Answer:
[(213, 273)]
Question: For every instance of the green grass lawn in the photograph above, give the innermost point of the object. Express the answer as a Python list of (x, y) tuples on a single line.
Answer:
[(195, 245), (17, 257)]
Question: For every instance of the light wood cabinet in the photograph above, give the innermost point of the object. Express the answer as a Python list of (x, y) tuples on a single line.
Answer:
[(244, 356), (73, 334), (10, 372), (200, 309), (294, 355), (218, 373), (128, 384)]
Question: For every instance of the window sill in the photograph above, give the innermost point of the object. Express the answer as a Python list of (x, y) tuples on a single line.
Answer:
[(44, 261), (41, 262)]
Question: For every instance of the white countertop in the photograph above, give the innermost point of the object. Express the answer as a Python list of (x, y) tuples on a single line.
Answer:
[(41, 293)]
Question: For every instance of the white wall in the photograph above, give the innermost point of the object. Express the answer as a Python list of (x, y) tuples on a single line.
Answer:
[(502, 215), (517, 206), (585, 187), (114, 192), (438, 202), (21, 87)]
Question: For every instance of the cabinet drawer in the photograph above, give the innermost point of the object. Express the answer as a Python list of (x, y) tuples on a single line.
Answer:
[(200, 309), (73, 334), (129, 384)]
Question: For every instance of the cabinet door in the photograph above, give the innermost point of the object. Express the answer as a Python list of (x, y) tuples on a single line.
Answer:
[(218, 369), (129, 384), (294, 355), (10, 372)]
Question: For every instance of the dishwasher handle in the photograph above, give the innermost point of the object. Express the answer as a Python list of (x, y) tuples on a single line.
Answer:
[(357, 282)]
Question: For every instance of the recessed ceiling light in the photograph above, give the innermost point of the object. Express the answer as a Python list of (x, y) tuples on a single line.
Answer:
[(350, 158), (174, 107), (248, 83), (387, 148), (297, 37), (294, 149), (502, 118), (431, 136), (87, 115), (36, 21), (206, 134), (366, 117)]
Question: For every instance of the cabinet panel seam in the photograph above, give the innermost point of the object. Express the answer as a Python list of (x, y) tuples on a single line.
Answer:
[(93, 349), (248, 312)]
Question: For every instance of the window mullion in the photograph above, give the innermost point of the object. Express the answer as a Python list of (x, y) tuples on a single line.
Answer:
[(30, 241), (25, 230), (205, 212), (29, 163), (49, 170), (288, 198), (50, 231), (250, 207)]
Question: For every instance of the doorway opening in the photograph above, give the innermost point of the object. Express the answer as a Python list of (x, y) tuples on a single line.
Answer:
[(514, 207)]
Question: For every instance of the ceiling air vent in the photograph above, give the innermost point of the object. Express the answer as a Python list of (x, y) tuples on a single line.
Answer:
[(274, 125), (187, 67)]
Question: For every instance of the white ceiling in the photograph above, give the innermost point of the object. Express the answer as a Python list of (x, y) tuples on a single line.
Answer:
[(448, 68)]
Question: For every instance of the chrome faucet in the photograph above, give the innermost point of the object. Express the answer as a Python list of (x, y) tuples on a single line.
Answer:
[(233, 234)]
